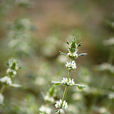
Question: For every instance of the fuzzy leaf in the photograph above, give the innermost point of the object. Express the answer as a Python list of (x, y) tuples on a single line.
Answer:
[(80, 86), (56, 82), (82, 54)]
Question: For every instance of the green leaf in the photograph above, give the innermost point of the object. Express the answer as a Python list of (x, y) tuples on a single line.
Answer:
[(56, 83), (82, 54), (80, 86)]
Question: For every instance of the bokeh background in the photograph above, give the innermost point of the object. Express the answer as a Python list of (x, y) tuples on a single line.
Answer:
[(34, 31)]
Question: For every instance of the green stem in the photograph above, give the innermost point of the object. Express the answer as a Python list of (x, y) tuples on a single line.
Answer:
[(68, 74), (65, 91)]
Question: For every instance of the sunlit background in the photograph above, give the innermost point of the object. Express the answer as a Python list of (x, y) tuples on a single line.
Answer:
[(35, 31)]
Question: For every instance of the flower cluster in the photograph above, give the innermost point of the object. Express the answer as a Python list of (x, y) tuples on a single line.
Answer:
[(71, 65), (69, 82), (45, 110), (61, 105), (10, 73), (65, 81), (12, 67), (72, 50), (73, 55)]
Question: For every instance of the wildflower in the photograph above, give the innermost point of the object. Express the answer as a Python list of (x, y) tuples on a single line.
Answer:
[(11, 72), (61, 105), (71, 65), (60, 111), (67, 81), (45, 109), (6, 80), (1, 98), (73, 55)]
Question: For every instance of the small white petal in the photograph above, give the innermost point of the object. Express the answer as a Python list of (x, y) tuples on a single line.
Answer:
[(74, 55), (6, 80), (60, 105)]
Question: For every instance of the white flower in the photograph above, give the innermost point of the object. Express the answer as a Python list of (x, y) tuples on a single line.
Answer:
[(6, 80), (61, 105), (48, 98), (45, 109), (70, 82), (60, 111), (67, 81), (71, 65), (1, 98), (74, 55), (13, 72)]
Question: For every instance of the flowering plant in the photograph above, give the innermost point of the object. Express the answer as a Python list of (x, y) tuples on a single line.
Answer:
[(72, 54), (8, 79)]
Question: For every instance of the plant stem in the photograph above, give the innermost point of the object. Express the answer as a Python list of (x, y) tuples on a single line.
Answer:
[(68, 74), (65, 91)]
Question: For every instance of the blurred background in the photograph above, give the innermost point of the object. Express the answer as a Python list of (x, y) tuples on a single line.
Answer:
[(34, 31)]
